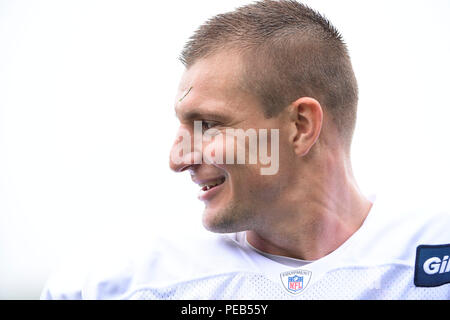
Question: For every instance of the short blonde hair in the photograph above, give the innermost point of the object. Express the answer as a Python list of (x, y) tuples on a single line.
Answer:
[(289, 51)]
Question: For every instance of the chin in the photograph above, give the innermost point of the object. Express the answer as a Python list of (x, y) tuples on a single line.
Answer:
[(214, 222), (224, 220)]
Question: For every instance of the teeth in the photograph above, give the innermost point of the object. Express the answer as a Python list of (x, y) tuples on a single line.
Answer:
[(211, 184)]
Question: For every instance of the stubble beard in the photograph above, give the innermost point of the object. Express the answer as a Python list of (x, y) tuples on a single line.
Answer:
[(235, 217)]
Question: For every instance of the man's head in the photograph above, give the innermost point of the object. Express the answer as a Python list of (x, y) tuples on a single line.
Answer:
[(289, 51), (268, 65)]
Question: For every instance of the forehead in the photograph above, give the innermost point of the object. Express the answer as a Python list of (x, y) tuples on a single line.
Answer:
[(213, 84), (220, 72)]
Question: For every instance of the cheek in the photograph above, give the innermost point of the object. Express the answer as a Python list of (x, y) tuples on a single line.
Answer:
[(247, 153), (246, 184), (214, 148), (222, 149), (247, 181)]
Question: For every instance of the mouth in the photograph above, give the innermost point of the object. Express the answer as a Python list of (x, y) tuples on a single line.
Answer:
[(209, 188), (211, 184)]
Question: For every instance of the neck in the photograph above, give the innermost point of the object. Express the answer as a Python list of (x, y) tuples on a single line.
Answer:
[(311, 224)]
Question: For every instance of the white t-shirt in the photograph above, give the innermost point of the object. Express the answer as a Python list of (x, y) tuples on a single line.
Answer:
[(241, 237), (394, 255)]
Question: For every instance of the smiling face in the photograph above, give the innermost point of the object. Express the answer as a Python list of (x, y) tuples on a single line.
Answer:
[(236, 196)]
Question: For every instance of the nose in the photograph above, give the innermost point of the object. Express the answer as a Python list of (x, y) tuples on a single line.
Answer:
[(184, 153)]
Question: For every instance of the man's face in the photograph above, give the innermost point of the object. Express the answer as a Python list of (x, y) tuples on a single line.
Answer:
[(210, 91)]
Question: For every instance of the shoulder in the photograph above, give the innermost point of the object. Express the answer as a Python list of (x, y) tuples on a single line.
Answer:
[(398, 225), (72, 278), (186, 257), (417, 220), (160, 261)]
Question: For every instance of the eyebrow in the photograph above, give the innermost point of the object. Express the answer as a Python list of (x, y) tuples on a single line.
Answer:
[(200, 115)]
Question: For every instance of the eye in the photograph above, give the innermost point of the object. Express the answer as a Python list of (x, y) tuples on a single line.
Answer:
[(208, 125)]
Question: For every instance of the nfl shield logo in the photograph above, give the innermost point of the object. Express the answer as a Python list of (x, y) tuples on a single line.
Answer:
[(295, 281)]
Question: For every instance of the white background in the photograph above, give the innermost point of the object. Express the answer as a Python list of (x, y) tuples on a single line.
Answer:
[(86, 118)]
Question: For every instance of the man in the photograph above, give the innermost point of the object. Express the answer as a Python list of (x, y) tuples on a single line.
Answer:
[(293, 224)]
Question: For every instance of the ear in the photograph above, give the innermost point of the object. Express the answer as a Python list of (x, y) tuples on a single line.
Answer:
[(307, 115)]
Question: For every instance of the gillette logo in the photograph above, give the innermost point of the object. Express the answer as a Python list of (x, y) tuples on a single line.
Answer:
[(435, 265), (432, 268)]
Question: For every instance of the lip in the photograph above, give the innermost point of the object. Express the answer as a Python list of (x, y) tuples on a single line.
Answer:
[(206, 195), (209, 194)]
